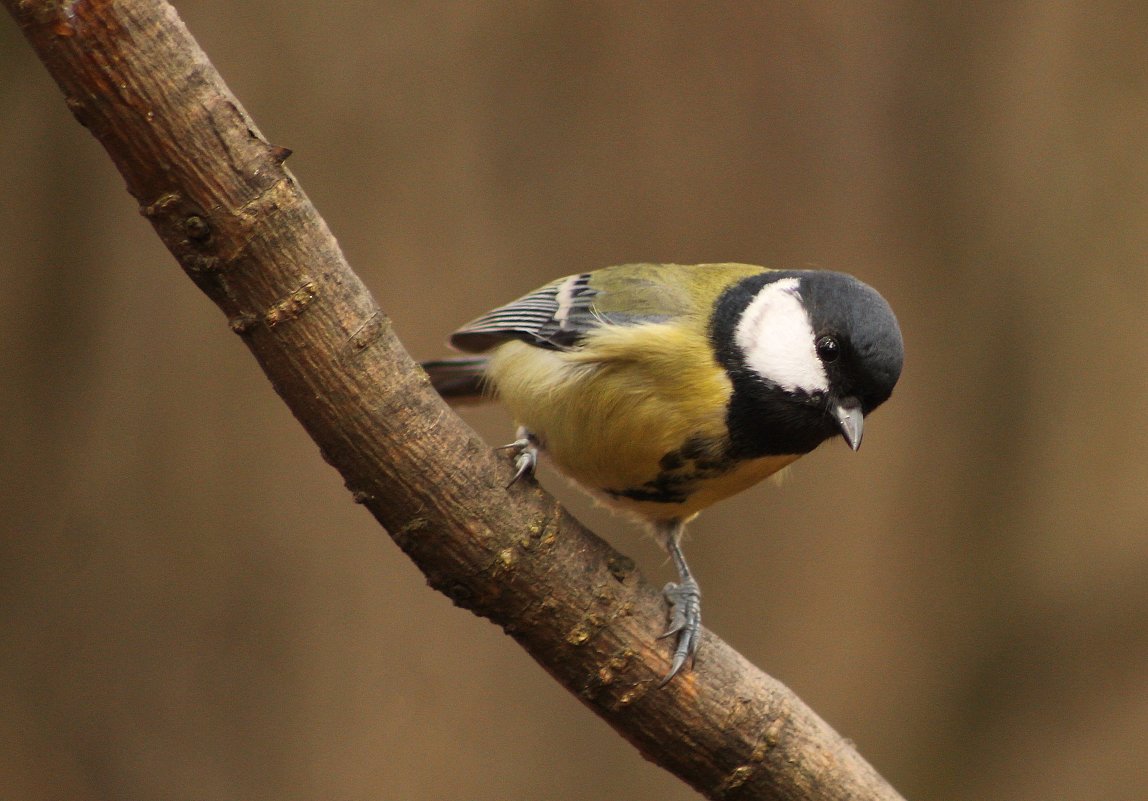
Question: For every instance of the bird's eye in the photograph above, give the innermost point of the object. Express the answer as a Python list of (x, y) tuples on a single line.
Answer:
[(827, 349)]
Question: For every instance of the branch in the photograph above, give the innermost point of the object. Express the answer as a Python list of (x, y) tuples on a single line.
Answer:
[(237, 222)]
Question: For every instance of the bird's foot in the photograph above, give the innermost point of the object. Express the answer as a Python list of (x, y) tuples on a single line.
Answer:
[(526, 456), (685, 621)]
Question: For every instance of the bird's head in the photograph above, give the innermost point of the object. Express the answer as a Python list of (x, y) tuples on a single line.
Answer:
[(810, 354)]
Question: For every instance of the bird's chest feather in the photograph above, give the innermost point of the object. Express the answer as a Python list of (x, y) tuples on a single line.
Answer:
[(637, 416)]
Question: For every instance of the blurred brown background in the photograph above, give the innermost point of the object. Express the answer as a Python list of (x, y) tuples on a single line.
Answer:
[(192, 608)]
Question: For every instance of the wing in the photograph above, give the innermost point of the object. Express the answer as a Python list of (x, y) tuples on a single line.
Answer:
[(558, 315), (553, 316)]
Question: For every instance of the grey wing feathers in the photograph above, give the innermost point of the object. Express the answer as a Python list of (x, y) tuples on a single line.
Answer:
[(555, 316)]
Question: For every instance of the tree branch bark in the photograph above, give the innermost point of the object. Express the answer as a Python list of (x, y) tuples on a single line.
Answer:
[(237, 222)]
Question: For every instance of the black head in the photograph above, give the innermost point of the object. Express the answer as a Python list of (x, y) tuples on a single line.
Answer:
[(810, 353)]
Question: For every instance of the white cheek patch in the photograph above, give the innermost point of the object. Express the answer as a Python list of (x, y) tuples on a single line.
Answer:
[(776, 337)]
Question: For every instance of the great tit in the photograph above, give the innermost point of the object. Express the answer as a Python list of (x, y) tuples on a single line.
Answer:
[(664, 388)]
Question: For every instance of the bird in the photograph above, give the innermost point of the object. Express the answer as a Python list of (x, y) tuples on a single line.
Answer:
[(662, 389)]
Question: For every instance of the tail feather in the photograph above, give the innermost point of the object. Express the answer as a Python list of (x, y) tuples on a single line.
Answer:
[(459, 380)]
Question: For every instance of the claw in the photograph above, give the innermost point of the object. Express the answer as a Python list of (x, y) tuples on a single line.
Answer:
[(685, 622), (524, 463), (685, 599), (526, 458)]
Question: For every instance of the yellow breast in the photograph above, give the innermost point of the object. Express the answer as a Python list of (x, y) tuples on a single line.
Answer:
[(636, 415)]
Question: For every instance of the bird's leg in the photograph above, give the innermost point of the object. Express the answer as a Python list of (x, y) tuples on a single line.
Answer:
[(526, 456), (685, 599)]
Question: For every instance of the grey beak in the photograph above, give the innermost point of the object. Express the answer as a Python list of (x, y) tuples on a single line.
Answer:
[(847, 413)]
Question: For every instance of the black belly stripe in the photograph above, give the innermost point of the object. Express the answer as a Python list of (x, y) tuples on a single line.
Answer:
[(650, 493), (681, 471)]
